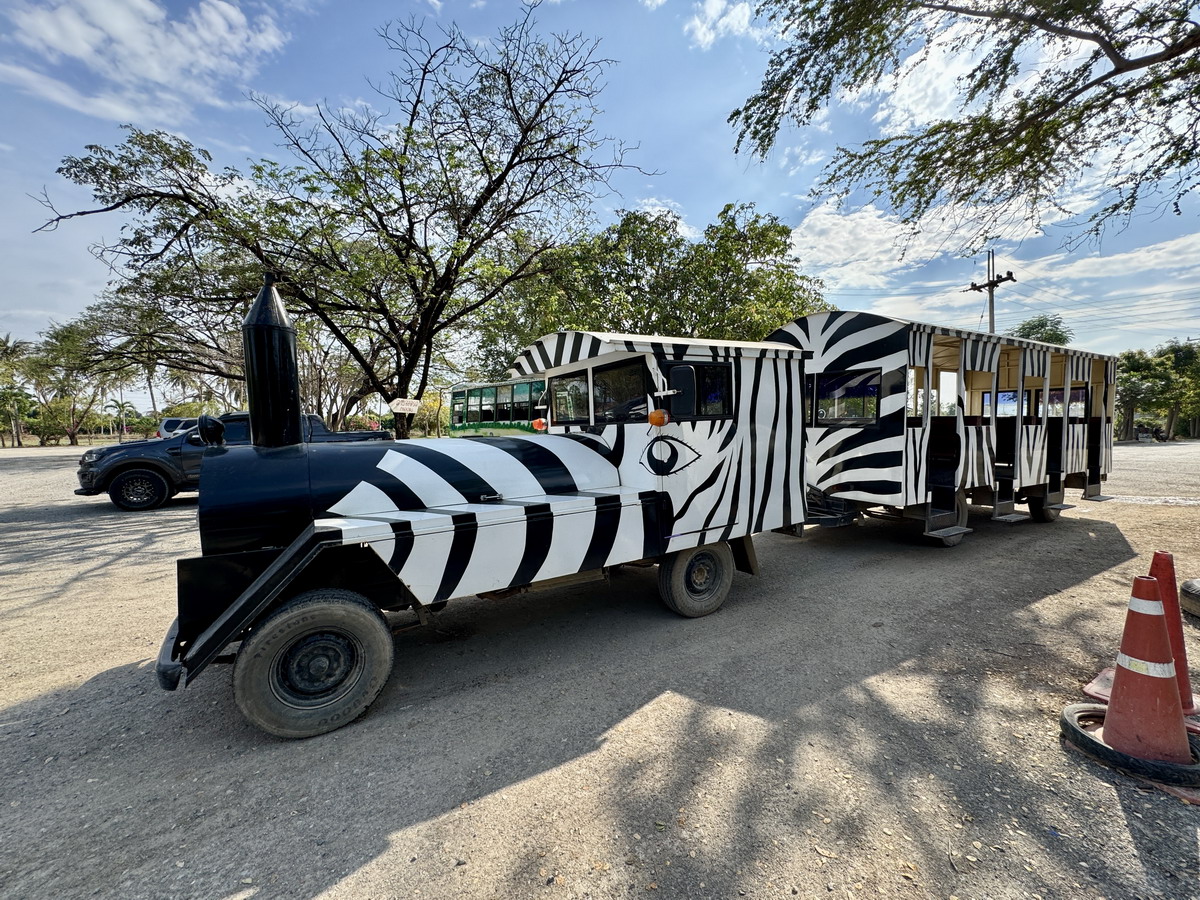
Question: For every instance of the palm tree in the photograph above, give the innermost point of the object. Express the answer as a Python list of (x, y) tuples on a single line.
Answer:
[(12, 351)]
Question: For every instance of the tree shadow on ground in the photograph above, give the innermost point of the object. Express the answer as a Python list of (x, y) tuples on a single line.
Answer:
[(585, 742)]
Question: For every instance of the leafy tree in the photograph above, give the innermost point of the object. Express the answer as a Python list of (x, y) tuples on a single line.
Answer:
[(1058, 91), (1049, 328), (59, 377), (14, 400), (642, 275), (1181, 389), (16, 404), (391, 226)]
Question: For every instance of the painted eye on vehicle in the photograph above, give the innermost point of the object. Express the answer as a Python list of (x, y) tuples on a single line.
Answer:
[(667, 455)]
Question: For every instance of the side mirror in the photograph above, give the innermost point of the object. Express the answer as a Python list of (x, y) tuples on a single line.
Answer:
[(211, 431), (683, 383)]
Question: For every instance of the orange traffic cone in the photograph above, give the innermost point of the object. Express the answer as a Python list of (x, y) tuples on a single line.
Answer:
[(1145, 716), (1163, 569)]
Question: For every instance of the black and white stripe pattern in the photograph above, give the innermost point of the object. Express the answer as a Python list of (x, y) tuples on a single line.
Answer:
[(467, 515), (858, 463), (887, 462)]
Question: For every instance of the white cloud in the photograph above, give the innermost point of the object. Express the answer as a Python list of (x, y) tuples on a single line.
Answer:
[(863, 248), (714, 19), (665, 204), (1175, 255), (144, 61), (653, 4), (7, 148)]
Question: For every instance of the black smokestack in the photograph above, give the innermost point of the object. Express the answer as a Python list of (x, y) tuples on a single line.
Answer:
[(272, 379)]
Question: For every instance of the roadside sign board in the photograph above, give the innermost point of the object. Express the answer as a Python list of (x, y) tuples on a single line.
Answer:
[(404, 406)]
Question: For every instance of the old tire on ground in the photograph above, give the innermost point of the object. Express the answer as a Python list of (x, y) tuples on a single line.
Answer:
[(1041, 511), (139, 489), (313, 665), (1189, 596), (1072, 723), (961, 514), (696, 582)]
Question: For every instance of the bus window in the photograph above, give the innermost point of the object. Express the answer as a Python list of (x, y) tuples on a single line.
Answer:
[(569, 399), (619, 392), (847, 398)]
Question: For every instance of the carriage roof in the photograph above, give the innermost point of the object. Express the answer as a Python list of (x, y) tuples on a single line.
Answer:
[(946, 331), (562, 348)]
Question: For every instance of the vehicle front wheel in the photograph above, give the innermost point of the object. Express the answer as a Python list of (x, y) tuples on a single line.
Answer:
[(313, 665), (139, 489), (696, 582)]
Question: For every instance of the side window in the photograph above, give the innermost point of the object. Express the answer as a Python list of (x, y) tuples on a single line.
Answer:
[(619, 392), (237, 431), (847, 398), (569, 399), (714, 390)]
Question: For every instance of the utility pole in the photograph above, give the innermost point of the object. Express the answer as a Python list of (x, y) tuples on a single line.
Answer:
[(991, 284)]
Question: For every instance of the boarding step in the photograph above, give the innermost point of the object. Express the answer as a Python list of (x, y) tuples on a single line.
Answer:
[(949, 532), (1065, 505), (940, 518), (1011, 519), (1097, 498)]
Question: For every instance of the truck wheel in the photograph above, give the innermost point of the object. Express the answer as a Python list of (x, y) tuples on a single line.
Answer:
[(696, 582), (313, 665), (1041, 511), (139, 489)]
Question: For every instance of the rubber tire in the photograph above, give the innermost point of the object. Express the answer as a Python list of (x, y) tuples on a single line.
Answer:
[(1189, 596), (138, 490), (962, 513), (695, 582), (348, 622), (1040, 511), (1155, 770)]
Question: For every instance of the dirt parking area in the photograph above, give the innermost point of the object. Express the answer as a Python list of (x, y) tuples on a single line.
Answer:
[(871, 717)]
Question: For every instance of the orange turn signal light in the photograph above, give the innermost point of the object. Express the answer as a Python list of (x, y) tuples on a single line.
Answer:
[(538, 424), (659, 417)]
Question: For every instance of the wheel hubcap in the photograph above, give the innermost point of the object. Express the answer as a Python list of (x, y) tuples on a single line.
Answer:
[(699, 574), (317, 666), (138, 490)]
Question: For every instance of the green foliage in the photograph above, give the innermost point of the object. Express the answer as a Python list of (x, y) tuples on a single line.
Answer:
[(643, 275), (1165, 383), (1059, 93), (433, 416), (58, 376), (1049, 328)]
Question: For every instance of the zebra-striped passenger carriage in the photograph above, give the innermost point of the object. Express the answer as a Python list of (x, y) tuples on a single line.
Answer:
[(922, 421), (661, 451)]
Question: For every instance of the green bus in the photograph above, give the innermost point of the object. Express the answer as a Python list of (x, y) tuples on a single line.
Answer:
[(499, 404)]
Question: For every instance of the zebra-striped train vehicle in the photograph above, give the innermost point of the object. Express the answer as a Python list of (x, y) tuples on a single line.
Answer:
[(923, 422), (659, 451)]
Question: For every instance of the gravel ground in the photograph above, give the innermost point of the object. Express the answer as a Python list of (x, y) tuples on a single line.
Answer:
[(870, 717)]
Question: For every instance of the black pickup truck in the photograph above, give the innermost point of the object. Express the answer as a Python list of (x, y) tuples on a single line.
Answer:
[(144, 474)]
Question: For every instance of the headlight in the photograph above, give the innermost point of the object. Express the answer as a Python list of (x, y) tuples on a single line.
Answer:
[(90, 456)]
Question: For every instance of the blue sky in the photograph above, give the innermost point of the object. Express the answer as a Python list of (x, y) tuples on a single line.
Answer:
[(72, 71)]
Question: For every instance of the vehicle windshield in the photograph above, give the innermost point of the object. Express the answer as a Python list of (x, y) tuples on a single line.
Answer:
[(618, 393)]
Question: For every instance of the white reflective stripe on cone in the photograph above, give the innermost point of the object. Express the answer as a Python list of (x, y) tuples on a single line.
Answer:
[(1145, 667), (1147, 607)]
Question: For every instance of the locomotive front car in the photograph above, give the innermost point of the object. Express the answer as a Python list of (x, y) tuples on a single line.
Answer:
[(659, 453)]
